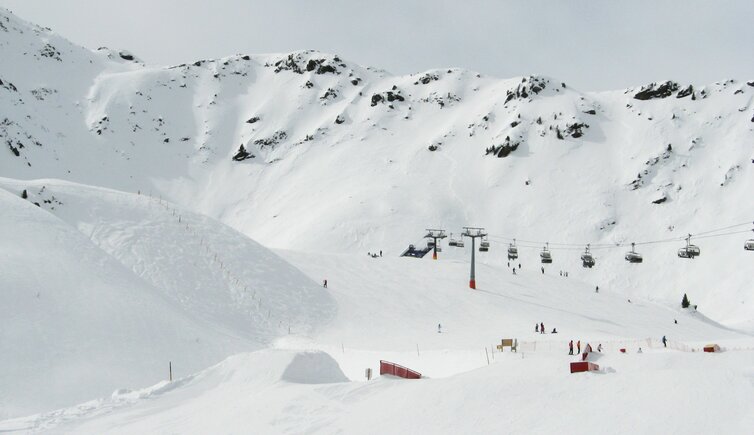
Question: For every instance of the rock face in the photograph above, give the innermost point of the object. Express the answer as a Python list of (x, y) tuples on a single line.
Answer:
[(503, 150), (653, 90)]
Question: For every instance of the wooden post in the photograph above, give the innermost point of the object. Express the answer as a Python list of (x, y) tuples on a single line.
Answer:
[(170, 368)]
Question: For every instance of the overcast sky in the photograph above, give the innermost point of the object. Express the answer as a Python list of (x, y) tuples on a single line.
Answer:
[(592, 45)]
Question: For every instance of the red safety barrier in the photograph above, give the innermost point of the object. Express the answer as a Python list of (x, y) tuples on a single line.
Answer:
[(389, 368), (583, 366)]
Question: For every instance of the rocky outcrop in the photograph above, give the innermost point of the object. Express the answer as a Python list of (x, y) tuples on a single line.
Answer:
[(528, 87), (654, 91)]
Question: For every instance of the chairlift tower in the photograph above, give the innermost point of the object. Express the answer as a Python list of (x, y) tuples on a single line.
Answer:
[(435, 235), (473, 233)]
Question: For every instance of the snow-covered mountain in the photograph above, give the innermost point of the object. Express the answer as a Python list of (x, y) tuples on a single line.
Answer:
[(128, 190), (308, 151)]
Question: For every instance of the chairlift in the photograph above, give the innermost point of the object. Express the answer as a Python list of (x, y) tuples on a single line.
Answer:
[(633, 256), (431, 244), (512, 251), (439, 248), (689, 251), (545, 255), (459, 243), (587, 259), (452, 241), (484, 246), (749, 245)]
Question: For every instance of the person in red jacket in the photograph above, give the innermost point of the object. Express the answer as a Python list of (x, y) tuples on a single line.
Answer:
[(542, 328), (570, 347)]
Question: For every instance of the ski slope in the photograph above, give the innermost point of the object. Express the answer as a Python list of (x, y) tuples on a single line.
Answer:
[(316, 384)]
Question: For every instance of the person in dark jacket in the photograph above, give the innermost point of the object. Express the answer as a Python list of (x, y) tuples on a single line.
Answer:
[(542, 328), (664, 341), (570, 347), (578, 347)]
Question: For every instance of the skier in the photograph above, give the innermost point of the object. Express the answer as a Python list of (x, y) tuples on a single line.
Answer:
[(639, 351), (536, 327), (380, 252), (554, 331), (509, 264), (514, 270), (324, 283), (578, 347), (676, 321), (597, 289), (599, 347), (664, 341), (543, 270), (519, 266), (439, 328), (560, 272), (542, 328), (570, 347)]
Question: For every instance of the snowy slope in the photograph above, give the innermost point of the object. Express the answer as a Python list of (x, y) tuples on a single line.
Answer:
[(389, 306), (341, 158), (292, 392), (101, 289)]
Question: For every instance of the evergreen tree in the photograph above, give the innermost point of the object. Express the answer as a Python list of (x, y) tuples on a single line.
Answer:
[(685, 302)]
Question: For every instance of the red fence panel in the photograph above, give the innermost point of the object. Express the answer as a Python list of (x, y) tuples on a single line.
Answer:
[(389, 368)]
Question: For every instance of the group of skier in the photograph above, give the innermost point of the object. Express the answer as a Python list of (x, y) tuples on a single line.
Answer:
[(587, 349), (540, 328)]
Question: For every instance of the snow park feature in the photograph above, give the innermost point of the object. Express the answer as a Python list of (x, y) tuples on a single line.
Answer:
[(397, 370), (182, 248), (583, 366)]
